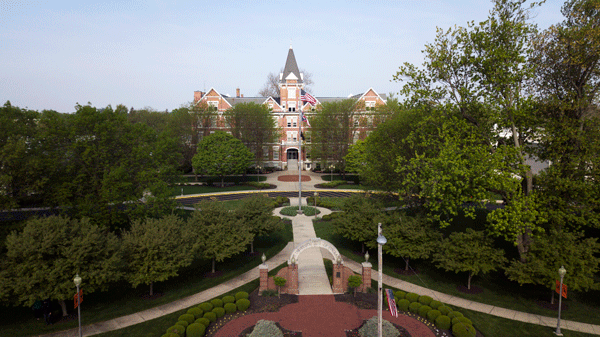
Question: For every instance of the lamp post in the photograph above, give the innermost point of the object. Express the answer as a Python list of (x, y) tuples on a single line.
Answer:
[(77, 281), (561, 272), (381, 240)]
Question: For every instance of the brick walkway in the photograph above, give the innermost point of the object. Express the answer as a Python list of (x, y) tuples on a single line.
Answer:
[(321, 315)]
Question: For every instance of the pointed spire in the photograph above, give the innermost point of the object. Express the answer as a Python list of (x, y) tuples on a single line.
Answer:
[(291, 67)]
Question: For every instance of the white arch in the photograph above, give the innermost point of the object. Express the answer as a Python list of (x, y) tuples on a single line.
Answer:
[(315, 242)]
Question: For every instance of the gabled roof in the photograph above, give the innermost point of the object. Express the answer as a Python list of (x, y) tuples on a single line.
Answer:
[(359, 96), (213, 92), (291, 67)]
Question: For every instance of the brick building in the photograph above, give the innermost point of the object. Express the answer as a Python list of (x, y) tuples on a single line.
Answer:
[(285, 109)]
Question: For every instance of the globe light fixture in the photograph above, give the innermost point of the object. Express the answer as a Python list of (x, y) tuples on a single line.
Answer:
[(381, 240), (561, 272), (77, 281)]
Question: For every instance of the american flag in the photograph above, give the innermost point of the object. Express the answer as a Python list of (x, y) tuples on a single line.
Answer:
[(391, 302), (306, 97), (303, 118)]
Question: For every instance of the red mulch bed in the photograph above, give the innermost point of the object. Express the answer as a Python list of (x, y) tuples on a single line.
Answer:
[(289, 178)]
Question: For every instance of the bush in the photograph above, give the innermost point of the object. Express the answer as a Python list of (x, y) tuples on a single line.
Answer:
[(219, 311), (228, 299), (177, 329), (217, 303), (462, 319), (241, 294), (211, 316), (269, 293), (463, 330), (435, 304), (400, 294), (230, 308), (183, 323), (412, 297), (370, 328), (242, 304), (206, 307), (170, 335), (425, 300), (453, 314), (443, 322), (266, 328), (334, 183), (433, 314), (331, 216), (195, 330), (414, 307), (423, 310), (444, 309), (187, 317), (403, 304), (203, 320), (197, 312)]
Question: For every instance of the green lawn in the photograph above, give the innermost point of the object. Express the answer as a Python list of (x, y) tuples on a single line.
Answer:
[(497, 290), (187, 190), (123, 300)]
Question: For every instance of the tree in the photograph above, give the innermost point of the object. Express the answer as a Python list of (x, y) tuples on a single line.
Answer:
[(358, 221), (256, 213), (221, 154), (548, 252), (271, 87), (354, 282), (254, 125), (471, 252), (279, 282), (410, 237), (42, 259), (220, 233), (156, 249)]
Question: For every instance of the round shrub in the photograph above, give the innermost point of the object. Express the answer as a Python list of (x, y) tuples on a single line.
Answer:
[(242, 304), (197, 312), (187, 317), (219, 311), (195, 330), (423, 310), (211, 316), (403, 304), (217, 303), (435, 304), (178, 329), (206, 307), (183, 323), (266, 328), (443, 322), (433, 314), (370, 328), (453, 314), (400, 294), (463, 330), (462, 319), (444, 309), (228, 299), (203, 320), (241, 294), (230, 308), (414, 307), (425, 300), (412, 297)]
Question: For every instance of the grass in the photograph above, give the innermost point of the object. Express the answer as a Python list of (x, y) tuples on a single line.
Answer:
[(497, 289), (293, 211), (122, 300), (188, 190)]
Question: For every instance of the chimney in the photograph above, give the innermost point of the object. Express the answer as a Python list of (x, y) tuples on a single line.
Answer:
[(237, 92), (198, 95), (242, 95)]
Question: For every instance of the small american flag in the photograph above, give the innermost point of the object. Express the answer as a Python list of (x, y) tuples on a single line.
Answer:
[(391, 302), (303, 118), (306, 97)]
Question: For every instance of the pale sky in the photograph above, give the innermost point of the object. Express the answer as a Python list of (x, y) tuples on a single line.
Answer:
[(155, 54)]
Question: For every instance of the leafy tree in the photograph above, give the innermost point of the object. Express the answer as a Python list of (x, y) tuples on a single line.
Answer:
[(279, 282), (354, 281), (410, 237), (254, 125), (156, 249), (256, 213), (221, 154), (471, 252), (220, 233), (549, 252), (42, 260), (358, 221)]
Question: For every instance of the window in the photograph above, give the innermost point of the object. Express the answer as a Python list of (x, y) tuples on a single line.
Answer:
[(275, 152), (213, 103), (289, 122), (292, 106), (356, 121), (292, 92), (265, 150), (370, 105), (271, 106), (294, 122), (292, 136)]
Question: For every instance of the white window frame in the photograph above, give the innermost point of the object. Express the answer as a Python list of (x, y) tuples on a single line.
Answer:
[(275, 152), (292, 92)]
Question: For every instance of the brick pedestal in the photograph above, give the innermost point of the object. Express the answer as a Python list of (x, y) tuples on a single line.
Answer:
[(264, 278), (293, 280), (338, 278), (366, 276)]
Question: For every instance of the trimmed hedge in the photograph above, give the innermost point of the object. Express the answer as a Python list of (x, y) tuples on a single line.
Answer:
[(217, 303), (211, 316), (400, 294), (412, 297), (204, 321), (177, 329), (453, 314), (444, 309), (219, 311), (183, 323), (195, 330), (463, 319), (187, 317), (463, 330), (228, 299), (433, 314), (197, 312), (435, 304), (443, 322), (241, 294), (414, 307), (242, 304), (206, 307), (423, 310), (403, 304), (425, 300), (230, 308)]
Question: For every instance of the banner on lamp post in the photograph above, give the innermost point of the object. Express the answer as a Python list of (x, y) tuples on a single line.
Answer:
[(563, 293), (78, 298)]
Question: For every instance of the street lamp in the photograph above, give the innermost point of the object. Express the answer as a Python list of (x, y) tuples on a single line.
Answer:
[(77, 281), (381, 240), (561, 272)]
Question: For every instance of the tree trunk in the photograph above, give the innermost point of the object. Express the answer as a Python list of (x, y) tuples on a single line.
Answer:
[(151, 288), (363, 248), (278, 291), (469, 281), (406, 266), (523, 244), (252, 247), (63, 307), (222, 181), (552, 298), (213, 265)]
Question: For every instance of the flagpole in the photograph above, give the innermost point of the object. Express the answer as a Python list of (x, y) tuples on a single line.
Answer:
[(300, 159)]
